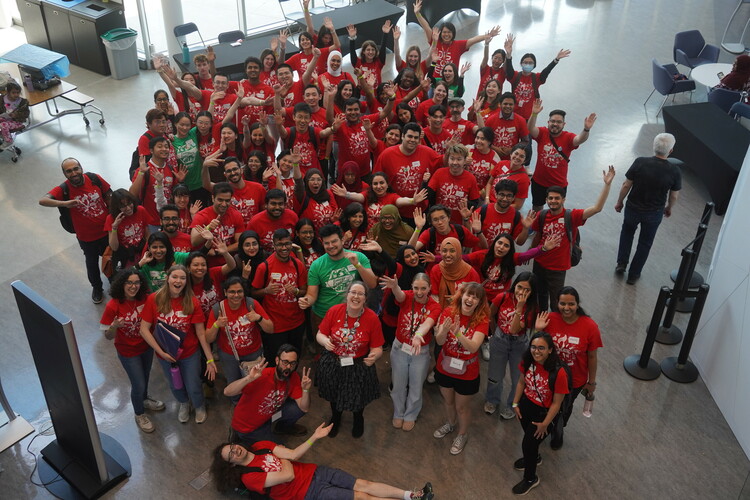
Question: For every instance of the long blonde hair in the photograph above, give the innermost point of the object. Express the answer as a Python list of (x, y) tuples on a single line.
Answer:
[(164, 300)]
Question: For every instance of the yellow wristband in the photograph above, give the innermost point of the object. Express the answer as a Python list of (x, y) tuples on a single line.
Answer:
[(216, 325), (209, 361), (310, 441), (458, 334)]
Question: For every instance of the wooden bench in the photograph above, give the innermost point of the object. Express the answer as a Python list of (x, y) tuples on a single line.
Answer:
[(84, 102)]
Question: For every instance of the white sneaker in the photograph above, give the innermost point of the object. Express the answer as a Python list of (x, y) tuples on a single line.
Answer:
[(144, 423), (507, 413), (153, 404), (459, 443), (183, 415), (489, 408), (431, 377), (443, 431), (486, 351), (200, 415)]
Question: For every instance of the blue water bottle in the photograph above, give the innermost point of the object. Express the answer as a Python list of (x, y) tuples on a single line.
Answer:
[(185, 53)]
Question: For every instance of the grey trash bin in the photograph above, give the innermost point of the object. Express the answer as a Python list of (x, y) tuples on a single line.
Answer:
[(121, 52)]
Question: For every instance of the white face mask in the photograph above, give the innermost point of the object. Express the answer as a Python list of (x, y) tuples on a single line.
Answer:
[(527, 68)]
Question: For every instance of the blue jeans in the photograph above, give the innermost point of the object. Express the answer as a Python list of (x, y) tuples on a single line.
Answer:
[(504, 350), (190, 368), (290, 413), (232, 368), (649, 222), (408, 374), (138, 369)]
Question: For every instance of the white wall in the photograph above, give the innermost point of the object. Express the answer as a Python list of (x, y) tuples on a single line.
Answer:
[(721, 350)]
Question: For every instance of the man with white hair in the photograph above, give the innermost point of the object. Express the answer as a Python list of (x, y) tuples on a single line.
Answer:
[(652, 186)]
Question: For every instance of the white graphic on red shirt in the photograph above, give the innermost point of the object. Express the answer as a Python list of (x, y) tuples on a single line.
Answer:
[(565, 349), (322, 214), (373, 214), (131, 323), (454, 348), (132, 234), (244, 335), (285, 279), (177, 319), (524, 93), (90, 205), (224, 233), (247, 208), (272, 402), (492, 283), (491, 231), (347, 341), (481, 171), (289, 100), (271, 463), (505, 137), (549, 157), (408, 178), (410, 321), (539, 386), (358, 143), (208, 298), (449, 195)]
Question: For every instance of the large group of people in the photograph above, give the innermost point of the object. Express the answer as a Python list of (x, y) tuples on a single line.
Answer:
[(308, 210)]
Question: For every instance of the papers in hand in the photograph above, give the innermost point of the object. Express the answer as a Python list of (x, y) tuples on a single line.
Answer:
[(169, 338)]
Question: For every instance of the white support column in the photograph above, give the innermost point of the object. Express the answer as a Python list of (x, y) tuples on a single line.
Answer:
[(172, 14)]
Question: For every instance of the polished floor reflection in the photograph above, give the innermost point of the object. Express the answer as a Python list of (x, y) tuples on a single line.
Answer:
[(645, 439)]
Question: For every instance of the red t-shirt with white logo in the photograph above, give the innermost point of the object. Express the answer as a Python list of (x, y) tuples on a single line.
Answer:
[(374, 209), (132, 228), (537, 387), (90, 214), (308, 154), (245, 334), (249, 200), (320, 213), (446, 53), (481, 165), (292, 490), (148, 200), (508, 132), (282, 307), (178, 319), (349, 341), (574, 342), (524, 92), (264, 225), (230, 224), (259, 91), (492, 285), (263, 397), (437, 142), (551, 168), (354, 145), (469, 240), (451, 189), (411, 314), (405, 173), (464, 129), (208, 298), (181, 242), (557, 259), (221, 106), (520, 177), (496, 223), (487, 73), (454, 349), (128, 340)]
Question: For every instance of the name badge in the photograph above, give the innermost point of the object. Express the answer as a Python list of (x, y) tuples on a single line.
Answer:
[(457, 363), (574, 340), (406, 348), (181, 314), (511, 129), (351, 268), (244, 321), (460, 194), (561, 220), (276, 276), (276, 416), (348, 361)]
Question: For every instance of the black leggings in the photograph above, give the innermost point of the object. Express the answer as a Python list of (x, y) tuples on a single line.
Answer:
[(531, 412)]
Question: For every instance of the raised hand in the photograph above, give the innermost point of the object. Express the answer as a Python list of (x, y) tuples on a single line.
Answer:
[(609, 175), (339, 190), (476, 221), (420, 196), (508, 46), (537, 107), (396, 32), (494, 31), (328, 23), (542, 321), (419, 218), (466, 67), (588, 122), (387, 26), (463, 208), (427, 257), (352, 257), (257, 369), (563, 53), (220, 247), (180, 173), (210, 54), (388, 282), (306, 381), (528, 220), (417, 7)]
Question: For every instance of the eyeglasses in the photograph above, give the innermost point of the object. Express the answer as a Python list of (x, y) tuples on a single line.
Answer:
[(441, 218), (356, 294), (505, 195), (555, 122), (234, 292), (289, 364), (133, 283), (162, 99), (234, 451), (170, 219), (282, 243), (538, 347)]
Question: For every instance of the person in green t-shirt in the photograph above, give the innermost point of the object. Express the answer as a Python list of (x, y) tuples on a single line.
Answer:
[(330, 275), (185, 144)]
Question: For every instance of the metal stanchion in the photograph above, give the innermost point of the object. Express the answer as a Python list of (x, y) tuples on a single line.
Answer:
[(643, 367), (668, 333), (685, 303), (696, 279), (680, 369)]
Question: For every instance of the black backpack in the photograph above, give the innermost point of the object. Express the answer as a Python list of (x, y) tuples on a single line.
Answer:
[(292, 258), (517, 79), (289, 144), (66, 220), (576, 254), (136, 157), (433, 235), (568, 399)]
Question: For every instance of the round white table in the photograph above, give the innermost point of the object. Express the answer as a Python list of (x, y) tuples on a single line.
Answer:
[(708, 74)]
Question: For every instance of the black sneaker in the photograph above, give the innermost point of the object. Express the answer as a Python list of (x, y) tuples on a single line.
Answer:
[(525, 486), (621, 268), (556, 442), (632, 279), (520, 465), (424, 494), (97, 295)]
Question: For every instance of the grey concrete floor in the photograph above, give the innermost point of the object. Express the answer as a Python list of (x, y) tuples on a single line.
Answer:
[(645, 440)]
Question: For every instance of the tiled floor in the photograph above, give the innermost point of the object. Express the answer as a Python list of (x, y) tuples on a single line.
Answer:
[(646, 439)]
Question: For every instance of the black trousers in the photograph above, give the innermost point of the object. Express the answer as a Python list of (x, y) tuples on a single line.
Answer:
[(272, 342), (548, 285), (531, 412), (92, 250)]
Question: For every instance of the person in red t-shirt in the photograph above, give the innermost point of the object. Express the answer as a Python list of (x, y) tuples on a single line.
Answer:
[(554, 146), (373, 59), (205, 68), (452, 185), (315, 202), (122, 321), (236, 324), (502, 217), (301, 60), (175, 305), (252, 87), (537, 404), (483, 160), (222, 219), (275, 216), (495, 70), (247, 196), (170, 225), (87, 199), (413, 58), (509, 128), (408, 166), (418, 313), (306, 136), (461, 329), (550, 267), (439, 96), (441, 228), (435, 136), (271, 397), (463, 130), (449, 50), (334, 74), (278, 283), (525, 83), (512, 170), (270, 469), (127, 227), (219, 97), (577, 340), (352, 337)]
